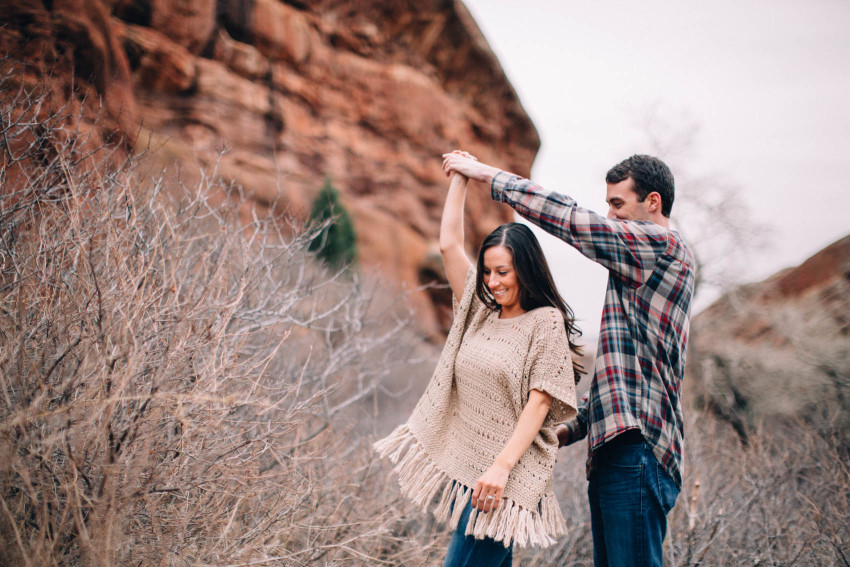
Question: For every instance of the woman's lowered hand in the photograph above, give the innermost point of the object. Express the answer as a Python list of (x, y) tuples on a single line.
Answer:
[(487, 494)]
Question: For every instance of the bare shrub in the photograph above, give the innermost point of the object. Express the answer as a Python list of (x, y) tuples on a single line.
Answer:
[(178, 386), (783, 500)]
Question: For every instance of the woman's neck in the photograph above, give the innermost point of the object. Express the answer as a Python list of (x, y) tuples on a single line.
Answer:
[(510, 313)]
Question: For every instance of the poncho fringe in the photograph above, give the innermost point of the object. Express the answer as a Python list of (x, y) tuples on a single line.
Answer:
[(423, 482)]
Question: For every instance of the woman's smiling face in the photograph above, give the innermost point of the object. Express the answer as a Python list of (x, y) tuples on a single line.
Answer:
[(501, 278)]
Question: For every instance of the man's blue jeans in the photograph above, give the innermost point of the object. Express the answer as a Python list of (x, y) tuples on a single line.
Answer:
[(466, 551), (630, 496)]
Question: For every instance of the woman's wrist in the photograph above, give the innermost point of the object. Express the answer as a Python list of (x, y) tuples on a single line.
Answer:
[(504, 462)]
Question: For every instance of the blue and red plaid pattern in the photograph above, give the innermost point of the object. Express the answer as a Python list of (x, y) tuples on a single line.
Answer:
[(640, 358)]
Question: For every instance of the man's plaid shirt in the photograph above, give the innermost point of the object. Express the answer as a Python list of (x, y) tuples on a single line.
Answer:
[(640, 358)]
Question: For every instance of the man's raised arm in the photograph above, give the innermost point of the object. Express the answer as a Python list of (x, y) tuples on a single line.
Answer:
[(627, 248)]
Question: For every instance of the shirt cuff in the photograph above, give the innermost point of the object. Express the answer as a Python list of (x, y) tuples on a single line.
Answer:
[(499, 185), (576, 430)]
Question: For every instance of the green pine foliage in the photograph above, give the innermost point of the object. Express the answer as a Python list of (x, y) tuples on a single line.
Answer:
[(336, 243)]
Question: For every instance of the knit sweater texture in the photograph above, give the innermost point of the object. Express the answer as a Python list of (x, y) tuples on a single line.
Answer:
[(468, 412)]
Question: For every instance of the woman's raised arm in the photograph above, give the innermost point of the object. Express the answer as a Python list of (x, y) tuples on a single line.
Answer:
[(451, 235)]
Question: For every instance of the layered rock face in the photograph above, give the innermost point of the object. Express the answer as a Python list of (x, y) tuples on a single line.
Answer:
[(368, 93), (780, 347)]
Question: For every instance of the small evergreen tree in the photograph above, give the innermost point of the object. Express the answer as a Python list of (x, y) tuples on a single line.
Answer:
[(336, 243)]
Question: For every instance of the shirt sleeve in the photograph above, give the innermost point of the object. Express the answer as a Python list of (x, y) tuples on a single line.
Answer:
[(550, 366), (577, 427), (629, 249)]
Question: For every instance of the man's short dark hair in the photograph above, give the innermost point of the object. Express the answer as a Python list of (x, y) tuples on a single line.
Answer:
[(650, 174)]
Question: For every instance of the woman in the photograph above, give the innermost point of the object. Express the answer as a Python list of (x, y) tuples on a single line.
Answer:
[(481, 440)]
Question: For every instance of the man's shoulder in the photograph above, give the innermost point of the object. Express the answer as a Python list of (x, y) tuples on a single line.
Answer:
[(679, 249), (674, 245)]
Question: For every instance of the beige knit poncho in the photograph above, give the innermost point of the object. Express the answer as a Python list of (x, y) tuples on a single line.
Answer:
[(469, 411)]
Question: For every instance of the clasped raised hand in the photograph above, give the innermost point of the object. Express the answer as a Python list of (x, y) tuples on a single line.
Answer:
[(467, 165)]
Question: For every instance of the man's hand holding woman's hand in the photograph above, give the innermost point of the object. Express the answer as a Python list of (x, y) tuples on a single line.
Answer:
[(468, 166)]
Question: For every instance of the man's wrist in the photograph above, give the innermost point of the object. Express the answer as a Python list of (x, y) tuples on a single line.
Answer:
[(498, 184), (489, 173)]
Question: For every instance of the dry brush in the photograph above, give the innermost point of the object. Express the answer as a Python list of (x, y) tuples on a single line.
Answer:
[(180, 382)]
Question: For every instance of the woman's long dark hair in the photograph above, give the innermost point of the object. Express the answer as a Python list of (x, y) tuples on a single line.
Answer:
[(536, 286)]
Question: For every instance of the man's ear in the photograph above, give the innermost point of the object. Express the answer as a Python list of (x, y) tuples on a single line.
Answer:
[(654, 199)]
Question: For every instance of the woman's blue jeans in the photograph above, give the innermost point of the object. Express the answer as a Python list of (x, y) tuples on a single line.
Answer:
[(466, 551), (630, 496)]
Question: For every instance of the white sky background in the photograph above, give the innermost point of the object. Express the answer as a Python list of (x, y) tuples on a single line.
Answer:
[(767, 84)]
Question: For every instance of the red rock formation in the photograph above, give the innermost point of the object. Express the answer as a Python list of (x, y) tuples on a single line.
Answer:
[(368, 93), (73, 43), (780, 347)]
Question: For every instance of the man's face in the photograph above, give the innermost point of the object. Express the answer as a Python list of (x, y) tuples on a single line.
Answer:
[(623, 202)]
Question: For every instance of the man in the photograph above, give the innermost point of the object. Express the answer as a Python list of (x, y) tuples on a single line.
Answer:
[(632, 413)]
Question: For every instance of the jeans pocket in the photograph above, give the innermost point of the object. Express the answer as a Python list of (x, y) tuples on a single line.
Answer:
[(624, 458), (667, 490)]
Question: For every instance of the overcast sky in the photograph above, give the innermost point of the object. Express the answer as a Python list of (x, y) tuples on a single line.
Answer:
[(766, 86)]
